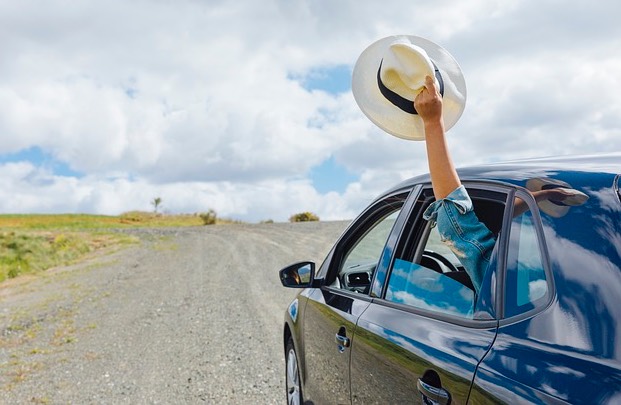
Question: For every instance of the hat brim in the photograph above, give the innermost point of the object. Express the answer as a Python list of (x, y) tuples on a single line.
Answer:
[(386, 115), (557, 209)]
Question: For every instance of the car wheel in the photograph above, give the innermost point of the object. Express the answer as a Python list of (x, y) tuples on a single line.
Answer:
[(294, 389)]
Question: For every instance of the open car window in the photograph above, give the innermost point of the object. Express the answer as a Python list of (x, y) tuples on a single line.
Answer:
[(428, 275)]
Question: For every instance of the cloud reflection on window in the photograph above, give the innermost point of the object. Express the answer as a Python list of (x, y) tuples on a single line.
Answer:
[(417, 286)]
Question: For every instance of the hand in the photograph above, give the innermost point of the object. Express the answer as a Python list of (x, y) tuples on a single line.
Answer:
[(428, 102)]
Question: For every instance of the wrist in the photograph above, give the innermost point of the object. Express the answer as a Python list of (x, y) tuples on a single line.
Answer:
[(433, 125)]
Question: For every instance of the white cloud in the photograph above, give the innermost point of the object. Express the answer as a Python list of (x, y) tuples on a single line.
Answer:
[(195, 102)]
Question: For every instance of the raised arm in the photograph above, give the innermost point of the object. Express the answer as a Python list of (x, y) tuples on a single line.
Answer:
[(444, 177)]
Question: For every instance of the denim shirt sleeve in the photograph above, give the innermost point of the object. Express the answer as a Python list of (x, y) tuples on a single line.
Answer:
[(466, 236)]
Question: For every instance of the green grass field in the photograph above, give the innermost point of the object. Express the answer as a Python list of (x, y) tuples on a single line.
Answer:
[(89, 222), (34, 243)]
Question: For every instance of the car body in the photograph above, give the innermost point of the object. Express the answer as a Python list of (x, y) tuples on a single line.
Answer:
[(389, 317)]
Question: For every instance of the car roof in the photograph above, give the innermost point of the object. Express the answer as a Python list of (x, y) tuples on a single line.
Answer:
[(517, 172)]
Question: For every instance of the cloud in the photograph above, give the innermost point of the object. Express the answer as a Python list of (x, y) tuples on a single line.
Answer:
[(207, 102)]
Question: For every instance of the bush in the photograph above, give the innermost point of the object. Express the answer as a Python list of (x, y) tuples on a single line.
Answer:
[(303, 217), (209, 217), (136, 217)]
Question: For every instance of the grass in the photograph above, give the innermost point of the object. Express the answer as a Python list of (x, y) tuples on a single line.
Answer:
[(33, 243), (131, 219), (24, 252), (89, 222)]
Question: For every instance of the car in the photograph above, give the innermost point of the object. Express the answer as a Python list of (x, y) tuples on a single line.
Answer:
[(391, 316)]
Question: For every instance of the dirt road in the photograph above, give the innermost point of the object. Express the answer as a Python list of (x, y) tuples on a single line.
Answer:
[(188, 315)]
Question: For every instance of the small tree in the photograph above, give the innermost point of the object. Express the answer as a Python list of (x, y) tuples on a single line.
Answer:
[(209, 217), (303, 217), (157, 201)]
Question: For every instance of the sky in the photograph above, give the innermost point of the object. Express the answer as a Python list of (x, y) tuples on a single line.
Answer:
[(245, 106)]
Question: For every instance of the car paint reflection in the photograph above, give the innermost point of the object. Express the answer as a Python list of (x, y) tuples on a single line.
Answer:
[(547, 354), (399, 346), (327, 312), (593, 309), (540, 371)]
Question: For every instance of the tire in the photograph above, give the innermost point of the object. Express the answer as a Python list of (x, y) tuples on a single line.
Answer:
[(293, 382)]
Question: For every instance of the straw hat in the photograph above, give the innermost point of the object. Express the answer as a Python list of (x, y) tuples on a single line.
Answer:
[(391, 72)]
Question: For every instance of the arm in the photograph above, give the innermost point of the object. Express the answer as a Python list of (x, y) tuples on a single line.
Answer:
[(428, 104), (471, 241)]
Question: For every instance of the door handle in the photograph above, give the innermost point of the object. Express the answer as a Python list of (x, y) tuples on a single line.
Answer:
[(342, 341), (439, 395)]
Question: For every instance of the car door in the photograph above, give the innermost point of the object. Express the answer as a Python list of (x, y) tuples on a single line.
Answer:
[(556, 340), (423, 335), (332, 310)]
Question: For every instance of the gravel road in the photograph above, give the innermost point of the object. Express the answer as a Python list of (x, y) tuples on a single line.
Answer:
[(190, 316)]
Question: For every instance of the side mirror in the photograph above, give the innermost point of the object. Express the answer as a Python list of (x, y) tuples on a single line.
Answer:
[(298, 275)]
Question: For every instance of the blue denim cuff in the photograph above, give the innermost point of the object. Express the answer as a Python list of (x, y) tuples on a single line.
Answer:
[(466, 236), (459, 197)]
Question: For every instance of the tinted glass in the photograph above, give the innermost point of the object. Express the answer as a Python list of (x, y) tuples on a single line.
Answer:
[(429, 284), (370, 246), (361, 259), (421, 287), (526, 283)]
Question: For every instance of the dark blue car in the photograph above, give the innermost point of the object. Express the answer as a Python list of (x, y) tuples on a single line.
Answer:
[(391, 317)]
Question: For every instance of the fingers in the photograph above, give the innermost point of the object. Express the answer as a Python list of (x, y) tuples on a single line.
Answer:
[(428, 102), (429, 87), (430, 84)]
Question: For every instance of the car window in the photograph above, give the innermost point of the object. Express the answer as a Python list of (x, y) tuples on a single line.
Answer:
[(418, 286), (429, 276), (363, 251), (526, 285), (437, 282)]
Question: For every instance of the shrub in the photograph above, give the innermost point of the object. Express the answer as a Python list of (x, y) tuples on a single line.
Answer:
[(209, 217), (135, 217), (303, 217)]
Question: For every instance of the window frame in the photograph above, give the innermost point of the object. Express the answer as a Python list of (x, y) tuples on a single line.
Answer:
[(501, 286)]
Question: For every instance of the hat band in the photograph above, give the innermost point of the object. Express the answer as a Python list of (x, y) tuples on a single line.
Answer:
[(402, 102), (550, 187)]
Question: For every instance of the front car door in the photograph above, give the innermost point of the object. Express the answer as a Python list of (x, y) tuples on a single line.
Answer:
[(331, 311), (423, 335)]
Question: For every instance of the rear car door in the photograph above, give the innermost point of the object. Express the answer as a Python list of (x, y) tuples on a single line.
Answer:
[(558, 340), (332, 310), (423, 335)]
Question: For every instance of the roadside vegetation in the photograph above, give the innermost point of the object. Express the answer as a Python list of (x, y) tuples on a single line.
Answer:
[(24, 252), (30, 243), (303, 217), (33, 243)]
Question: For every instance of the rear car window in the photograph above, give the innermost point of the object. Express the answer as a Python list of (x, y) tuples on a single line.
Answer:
[(526, 283)]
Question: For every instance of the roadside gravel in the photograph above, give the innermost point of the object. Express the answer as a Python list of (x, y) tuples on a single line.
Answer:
[(188, 315)]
